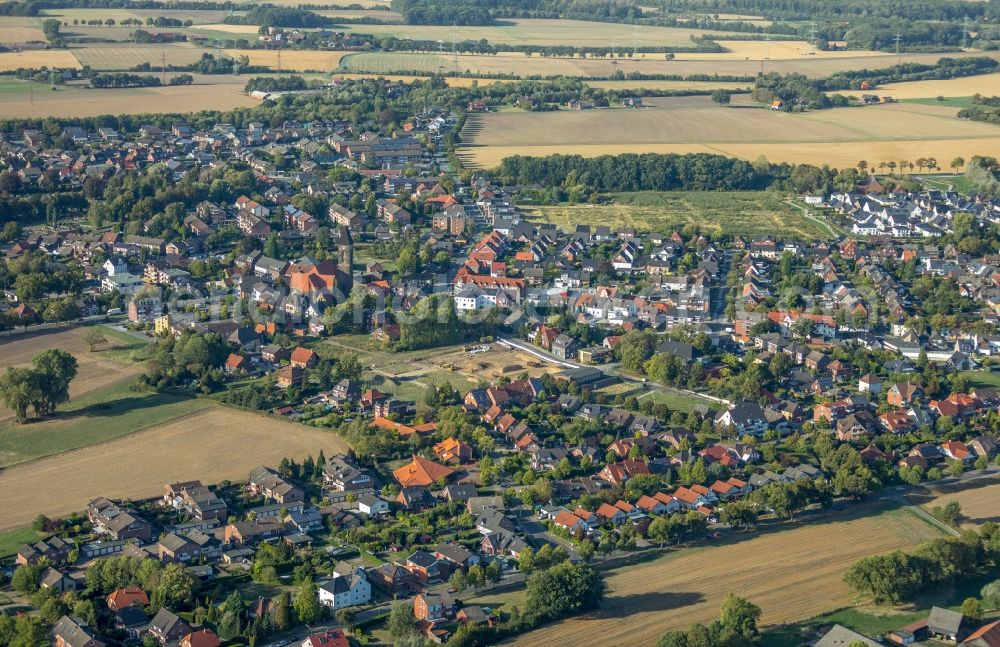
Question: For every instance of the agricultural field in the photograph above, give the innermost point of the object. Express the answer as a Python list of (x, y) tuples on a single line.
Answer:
[(985, 84), (631, 86), (793, 574), (185, 448), (292, 60), (744, 213), (53, 58), (15, 29), (743, 60), (97, 370), (125, 56), (838, 137), (219, 93), (540, 31), (978, 499), (390, 17)]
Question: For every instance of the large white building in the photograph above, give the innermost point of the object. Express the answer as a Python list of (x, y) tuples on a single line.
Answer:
[(347, 589)]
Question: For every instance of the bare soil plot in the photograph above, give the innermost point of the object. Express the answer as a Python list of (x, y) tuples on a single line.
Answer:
[(51, 58), (16, 29), (213, 445), (292, 60), (70, 101), (792, 574), (694, 124)]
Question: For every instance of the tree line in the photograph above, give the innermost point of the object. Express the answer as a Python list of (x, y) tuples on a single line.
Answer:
[(900, 576)]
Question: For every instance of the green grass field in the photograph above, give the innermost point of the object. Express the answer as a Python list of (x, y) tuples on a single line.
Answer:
[(952, 102), (97, 417), (982, 379), (11, 540), (749, 213), (678, 401)]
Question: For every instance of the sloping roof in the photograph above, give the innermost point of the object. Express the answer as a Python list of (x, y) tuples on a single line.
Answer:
[(421, 471), (840, 636), (985, 636)]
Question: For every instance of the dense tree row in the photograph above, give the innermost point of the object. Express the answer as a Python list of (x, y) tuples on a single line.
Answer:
[(41, 386), (936, 564), (123, 80), (578, 175), (272, 16)]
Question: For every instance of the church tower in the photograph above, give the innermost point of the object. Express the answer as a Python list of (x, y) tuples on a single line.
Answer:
[(345, 258)]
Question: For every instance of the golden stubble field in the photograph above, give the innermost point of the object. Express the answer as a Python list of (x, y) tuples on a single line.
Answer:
[(985, 84), (292, 60), (838, 137), (980, 500), (224, 93), (744, 60), (792, 574), (212, 445)]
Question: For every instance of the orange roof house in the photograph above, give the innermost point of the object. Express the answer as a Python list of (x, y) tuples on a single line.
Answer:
[(304, 358), (451, 450), (404, 430), (202, 638), (126, 597), (421, 472)]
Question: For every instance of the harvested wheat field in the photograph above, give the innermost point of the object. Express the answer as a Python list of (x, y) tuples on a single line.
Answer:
[(125, 56), (793, 574), (694, 124), (292, 60), (213, 445), (15, 29), (96, 370), (704, 86), (542, 31), (980, 500), (52, 58), (73, 101), (736, 63), (985, 84)]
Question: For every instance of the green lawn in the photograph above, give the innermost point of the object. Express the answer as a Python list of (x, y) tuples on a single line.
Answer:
[(97, 417), (953, 102), (677, 401), (745, 213), (11, 540), (983, 378)]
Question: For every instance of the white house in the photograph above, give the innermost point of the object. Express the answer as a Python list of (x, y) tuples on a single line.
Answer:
[(116, 265), (746, 417), (346, 589), (372, 505)]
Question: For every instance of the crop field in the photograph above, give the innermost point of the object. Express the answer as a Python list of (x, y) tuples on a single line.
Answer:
[(980, 500), (298, 60), (748, 213), (694, 124), (75, 101), (101, 56), (540, 31), (379, 15), (240, 30), (738, 62), (20, 30), (622, 86), (985, 84), (792, 574), (84, 14), (52, 58), (197, 446)]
